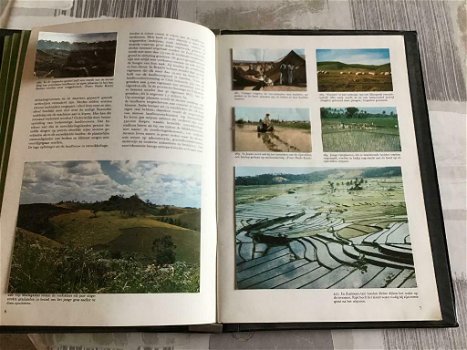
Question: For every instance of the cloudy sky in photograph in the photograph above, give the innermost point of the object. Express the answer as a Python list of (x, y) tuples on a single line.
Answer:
[(354, 56), (257, 113), (72, 37), (90, 181), (258, 55)]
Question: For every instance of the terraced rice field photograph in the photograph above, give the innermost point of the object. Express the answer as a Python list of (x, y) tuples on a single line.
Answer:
[(353, 129), (108, 227), (66, 55), (272, 129), (352, 70), (320, 228)]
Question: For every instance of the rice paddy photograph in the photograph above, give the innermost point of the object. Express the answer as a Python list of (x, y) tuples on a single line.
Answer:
[(320, 228), (269, 69), (259, 129), (351, 70), (108, 227), (69, 55), (352, 129)]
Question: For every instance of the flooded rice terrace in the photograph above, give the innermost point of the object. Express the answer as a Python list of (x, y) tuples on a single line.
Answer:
[(282, 139), (301, 236)]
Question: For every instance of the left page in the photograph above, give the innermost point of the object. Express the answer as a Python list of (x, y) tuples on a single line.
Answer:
[(108, 216)]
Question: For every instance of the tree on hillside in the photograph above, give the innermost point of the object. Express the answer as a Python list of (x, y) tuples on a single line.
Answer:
[(164, 250), (131, 206)]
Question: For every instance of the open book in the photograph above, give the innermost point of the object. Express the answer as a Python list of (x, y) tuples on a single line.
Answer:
[(160, 175)]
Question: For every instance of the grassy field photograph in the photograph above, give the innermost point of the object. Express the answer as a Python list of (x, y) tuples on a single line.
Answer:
[(269, 69), (272, 129), (320, 228), (351, 70), (352, 129), (65, 55), (107, 227)]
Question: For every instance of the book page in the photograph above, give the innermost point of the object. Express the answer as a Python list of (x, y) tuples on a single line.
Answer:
[(109, 210), (322, 216)]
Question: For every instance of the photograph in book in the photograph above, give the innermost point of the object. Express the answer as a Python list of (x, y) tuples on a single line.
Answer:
[(65, 55), (347, 70), (272, 129), (108, 227), (269, 69), (318, 228), (359, 129)]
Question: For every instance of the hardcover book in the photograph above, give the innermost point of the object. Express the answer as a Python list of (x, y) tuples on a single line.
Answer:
[(161, 175)]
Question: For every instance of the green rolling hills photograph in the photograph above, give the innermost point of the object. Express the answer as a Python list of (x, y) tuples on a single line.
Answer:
[(108, 227), (353, 70)]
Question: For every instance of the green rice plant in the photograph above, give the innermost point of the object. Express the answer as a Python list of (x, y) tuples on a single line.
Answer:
[(360, 141)]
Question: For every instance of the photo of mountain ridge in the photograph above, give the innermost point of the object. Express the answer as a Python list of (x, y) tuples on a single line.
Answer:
[(62, 55)]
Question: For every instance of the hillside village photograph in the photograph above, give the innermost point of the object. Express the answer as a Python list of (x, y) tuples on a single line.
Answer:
[(319, 228), (360, 129), (107, 227), (66, 55), (269, 69), (259, 129), (351, 70)]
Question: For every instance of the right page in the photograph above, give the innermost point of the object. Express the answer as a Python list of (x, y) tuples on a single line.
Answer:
[(321, 208)]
